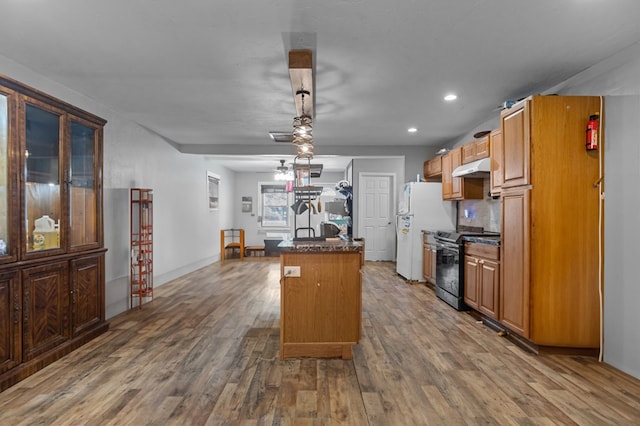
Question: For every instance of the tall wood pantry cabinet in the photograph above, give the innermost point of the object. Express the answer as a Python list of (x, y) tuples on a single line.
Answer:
[(51, 230), (550, 202)]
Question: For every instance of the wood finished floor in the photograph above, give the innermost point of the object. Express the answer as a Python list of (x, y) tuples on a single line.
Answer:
[(205, 351)]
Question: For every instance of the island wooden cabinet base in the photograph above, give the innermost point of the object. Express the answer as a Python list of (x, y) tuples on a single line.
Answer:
[(321, 306), (317, 350)]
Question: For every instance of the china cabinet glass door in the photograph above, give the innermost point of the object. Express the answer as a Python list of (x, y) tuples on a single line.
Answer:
[(42, 197), (83, 180), (4, 175)]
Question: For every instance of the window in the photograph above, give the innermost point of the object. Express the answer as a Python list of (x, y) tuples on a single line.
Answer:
[(274, 203)]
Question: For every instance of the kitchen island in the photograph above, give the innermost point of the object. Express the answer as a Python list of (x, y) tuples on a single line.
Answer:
[(320, 298)]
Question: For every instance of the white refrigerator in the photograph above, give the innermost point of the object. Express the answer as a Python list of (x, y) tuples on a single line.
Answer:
[(420, 207)]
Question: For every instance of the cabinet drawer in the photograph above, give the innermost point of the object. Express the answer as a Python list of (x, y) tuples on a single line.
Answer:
[(482, 250)]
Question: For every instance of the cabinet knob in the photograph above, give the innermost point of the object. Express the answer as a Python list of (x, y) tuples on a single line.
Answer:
[(318, 284)]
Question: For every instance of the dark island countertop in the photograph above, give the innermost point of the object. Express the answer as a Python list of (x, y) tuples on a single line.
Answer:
[(330, 245)]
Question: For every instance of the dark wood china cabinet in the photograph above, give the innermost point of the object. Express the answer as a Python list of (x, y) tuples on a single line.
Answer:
[(51, 229)]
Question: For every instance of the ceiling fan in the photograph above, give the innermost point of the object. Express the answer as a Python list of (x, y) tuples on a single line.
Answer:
[(282, 168), (282, 172)]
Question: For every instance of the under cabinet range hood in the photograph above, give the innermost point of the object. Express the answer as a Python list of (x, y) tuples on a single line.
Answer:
[(475, 169)]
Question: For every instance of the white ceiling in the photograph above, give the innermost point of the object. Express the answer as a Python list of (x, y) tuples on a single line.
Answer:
[(211, 76)]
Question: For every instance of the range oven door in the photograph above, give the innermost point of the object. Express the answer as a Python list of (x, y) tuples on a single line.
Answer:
[(449, 274)]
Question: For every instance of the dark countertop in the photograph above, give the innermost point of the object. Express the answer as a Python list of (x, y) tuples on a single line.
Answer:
[(327, 246), (484, 239)]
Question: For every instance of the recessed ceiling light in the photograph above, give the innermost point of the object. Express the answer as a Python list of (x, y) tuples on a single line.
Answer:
[(412, 129), (451, 97)]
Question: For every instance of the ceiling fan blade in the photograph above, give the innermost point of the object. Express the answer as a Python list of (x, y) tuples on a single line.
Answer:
[(281, 136)]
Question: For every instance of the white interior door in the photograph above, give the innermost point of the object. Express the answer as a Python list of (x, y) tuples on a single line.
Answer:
[(376, 216)]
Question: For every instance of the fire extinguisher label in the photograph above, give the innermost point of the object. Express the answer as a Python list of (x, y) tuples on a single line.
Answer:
[(592, 133)]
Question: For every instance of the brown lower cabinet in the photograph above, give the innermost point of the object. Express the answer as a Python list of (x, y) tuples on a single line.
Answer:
[(10, 310), (482, 278), (46, 311), (429, 253), (321, 310)]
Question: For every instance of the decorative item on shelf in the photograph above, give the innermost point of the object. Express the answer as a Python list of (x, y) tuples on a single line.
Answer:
[(46, 233)]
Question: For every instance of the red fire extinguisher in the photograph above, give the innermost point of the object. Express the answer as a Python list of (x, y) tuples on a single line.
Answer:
[(592, 132)]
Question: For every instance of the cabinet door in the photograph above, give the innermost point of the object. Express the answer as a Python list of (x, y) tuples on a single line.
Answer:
[(497, 169), (45, 308), (10, 350), (468, 152), (435, 166), (324, 303), (456, 183), (447, 183), (516, 145), (429, 263), (514, 288), (43, 186), (84, 181), (86, 292), (426, 264), (471, 283), (488, 293), (8, 183), (482, 148), (433, 256)]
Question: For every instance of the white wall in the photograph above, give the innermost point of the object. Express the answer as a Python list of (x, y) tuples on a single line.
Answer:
[(186, 233), (378, 165), (618, 79), (246, 184), (622, 204)]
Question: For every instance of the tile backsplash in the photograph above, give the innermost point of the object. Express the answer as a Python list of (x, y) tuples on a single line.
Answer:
[(484, 212)]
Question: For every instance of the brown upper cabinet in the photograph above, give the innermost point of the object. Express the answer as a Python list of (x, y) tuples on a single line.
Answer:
[(51, 229), (482, 147), (475, 150), (497, 169), (458, 188), (433, 168), (468, 152), (516, 145)]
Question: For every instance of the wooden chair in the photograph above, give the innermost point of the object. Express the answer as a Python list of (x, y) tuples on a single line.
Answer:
[(232, 239)]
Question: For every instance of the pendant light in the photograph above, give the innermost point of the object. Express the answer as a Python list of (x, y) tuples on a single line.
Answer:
[(302, 130)]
